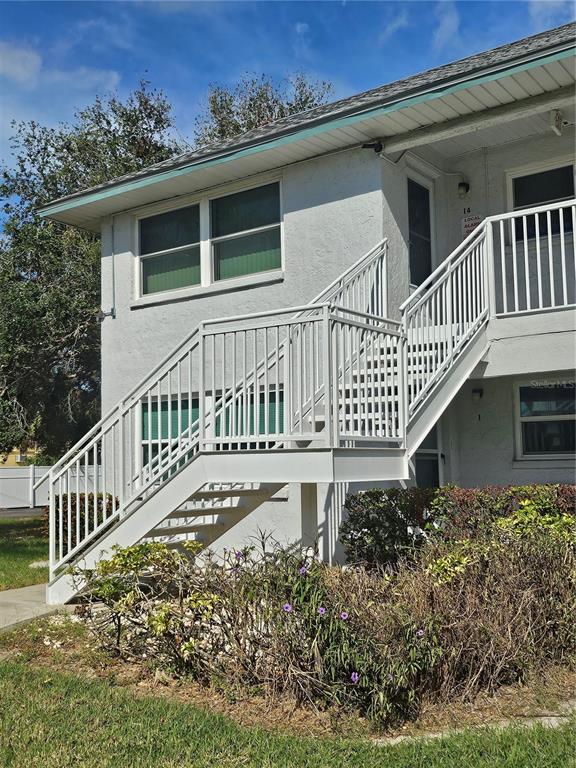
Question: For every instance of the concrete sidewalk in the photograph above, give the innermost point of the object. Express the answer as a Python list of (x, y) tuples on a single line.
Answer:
[(18, 606)]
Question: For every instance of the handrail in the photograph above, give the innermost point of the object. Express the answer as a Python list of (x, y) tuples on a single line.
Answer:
[(443, 266), (116, 412), (372, 253), (482, 227)]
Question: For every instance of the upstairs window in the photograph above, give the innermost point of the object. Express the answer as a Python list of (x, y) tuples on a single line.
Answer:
[(544, 187), (213, 240), (170, 250), (546, 419), (246, 232)]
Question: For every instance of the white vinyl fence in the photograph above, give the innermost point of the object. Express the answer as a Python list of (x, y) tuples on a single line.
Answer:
[(16, 487)]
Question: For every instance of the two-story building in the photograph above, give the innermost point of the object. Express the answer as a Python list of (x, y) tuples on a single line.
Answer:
[(379, 290)]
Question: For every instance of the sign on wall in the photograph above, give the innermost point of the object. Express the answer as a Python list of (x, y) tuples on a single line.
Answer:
[(469, 223)]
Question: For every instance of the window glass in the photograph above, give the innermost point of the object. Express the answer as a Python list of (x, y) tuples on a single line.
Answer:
[(419, 234), (170, 230), (251, 209), (544, 187), (170, 271), (239, 256), (427, 471), (547, 401), (541, 437)]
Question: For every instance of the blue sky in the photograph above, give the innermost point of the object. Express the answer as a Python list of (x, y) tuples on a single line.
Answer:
[(56, 56)]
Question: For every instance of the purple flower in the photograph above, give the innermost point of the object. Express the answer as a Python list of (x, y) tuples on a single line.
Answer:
[(303, 571), (344, 615), (354, 677), (239, 555), (321, 610), (287, 608), (420, 633)]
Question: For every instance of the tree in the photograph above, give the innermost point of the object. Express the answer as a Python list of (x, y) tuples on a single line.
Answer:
[(254, 101), (50, 274)]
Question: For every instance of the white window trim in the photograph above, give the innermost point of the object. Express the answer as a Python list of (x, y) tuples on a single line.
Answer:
[(560, 459), (429, 183), (207, 283), (537, 167)]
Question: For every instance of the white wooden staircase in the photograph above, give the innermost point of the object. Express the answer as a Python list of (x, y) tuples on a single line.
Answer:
[(331, 391)]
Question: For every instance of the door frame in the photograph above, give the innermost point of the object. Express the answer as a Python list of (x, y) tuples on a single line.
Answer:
[(428, 182)]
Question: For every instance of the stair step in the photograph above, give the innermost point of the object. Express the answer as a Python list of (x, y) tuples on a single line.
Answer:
[(229, 493), (174, 530), (178, 514)]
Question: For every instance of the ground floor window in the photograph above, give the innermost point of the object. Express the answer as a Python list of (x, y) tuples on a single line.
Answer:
[(428, 461), (161, 426), (545, 419)]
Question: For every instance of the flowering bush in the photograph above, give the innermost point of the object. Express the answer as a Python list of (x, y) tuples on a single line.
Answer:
[(459, 616)]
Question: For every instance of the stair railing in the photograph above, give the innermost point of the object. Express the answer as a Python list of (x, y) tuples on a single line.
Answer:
[(443, 315), (163, 422)]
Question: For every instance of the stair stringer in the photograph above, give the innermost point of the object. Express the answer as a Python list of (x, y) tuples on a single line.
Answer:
[(445, 390), (274, 467)]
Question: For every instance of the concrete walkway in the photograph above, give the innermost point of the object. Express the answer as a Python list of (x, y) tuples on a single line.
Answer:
[(18, 606)]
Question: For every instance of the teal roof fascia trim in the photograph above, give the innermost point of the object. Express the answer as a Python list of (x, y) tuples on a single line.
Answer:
[(305, 133)]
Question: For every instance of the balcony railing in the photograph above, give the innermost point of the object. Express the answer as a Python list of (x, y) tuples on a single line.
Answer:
[(335, 372)]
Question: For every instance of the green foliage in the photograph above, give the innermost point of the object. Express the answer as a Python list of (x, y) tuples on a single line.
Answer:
[(50, 274), (457, 617), (254, 101), (529, 520), (452, 564), (383, 524)]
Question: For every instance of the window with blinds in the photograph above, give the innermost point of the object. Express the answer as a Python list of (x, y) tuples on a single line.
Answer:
[(245, 232), (236, 235), (170, 250)]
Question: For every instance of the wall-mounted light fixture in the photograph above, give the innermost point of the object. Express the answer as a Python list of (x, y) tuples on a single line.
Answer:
[(463, 188), (477, 395), (101, 315)]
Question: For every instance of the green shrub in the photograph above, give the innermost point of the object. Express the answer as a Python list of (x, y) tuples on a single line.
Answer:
[(384, 523), (460, 616)]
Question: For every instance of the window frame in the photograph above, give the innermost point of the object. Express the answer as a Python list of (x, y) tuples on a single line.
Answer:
[(207, 283), (533, 168), (167, 251), (519, 420)]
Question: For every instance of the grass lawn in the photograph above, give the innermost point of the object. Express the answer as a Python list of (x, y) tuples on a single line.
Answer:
[(21, 543), (54, 720)]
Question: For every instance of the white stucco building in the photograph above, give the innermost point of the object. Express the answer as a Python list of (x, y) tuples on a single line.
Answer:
[(380, 290)]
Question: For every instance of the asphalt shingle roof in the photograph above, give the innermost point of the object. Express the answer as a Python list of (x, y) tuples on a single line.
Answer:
[(432, 78)]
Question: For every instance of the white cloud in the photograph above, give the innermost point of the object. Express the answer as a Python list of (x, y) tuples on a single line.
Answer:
[(447, 33), (301, 43), (29, 89), (400, 21), (84, 79), (550, 13), (99, 35), (19, 64)]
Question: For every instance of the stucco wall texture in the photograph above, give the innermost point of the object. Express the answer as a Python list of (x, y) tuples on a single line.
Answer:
[(335, 208)]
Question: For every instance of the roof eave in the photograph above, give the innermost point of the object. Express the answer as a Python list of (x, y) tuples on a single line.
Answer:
[(325, 123)]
